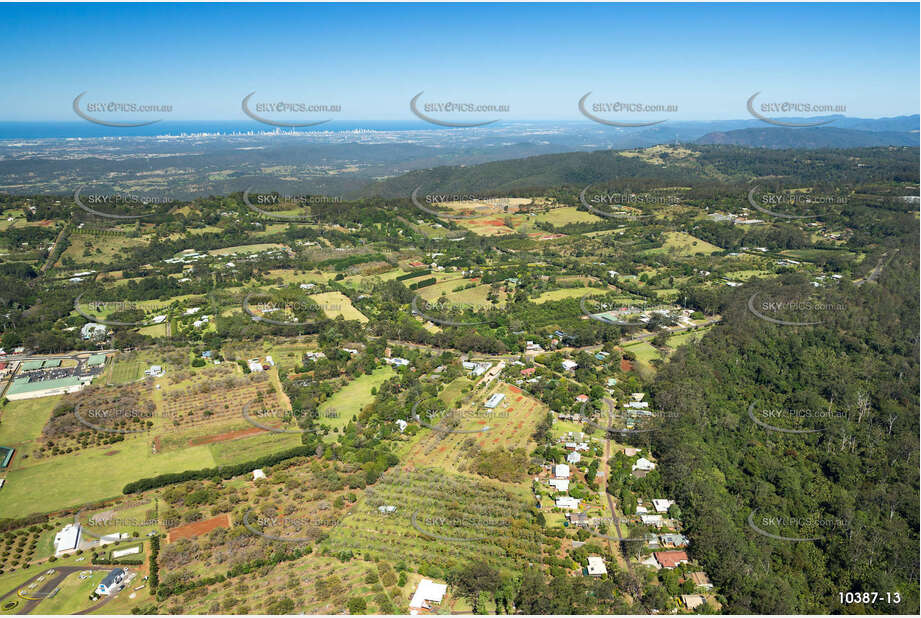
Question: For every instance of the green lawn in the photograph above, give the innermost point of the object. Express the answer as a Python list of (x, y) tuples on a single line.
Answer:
[(559, 217), (87, 476), (74, 595), (682, 244), (355, 395), (246, 449), (567, 293), (22, 421)]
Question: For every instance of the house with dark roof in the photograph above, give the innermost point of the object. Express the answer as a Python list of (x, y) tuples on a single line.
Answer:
[(110, 582)]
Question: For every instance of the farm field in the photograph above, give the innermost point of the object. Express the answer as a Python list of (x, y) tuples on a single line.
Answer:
[(335, 304), (21, 422), (458, 520), (255, 248), (510, 426), (683, 244), (91, 475), (568, 293), (88, 248), (354, 396), (565, 215)]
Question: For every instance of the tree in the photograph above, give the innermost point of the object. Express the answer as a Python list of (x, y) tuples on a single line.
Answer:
[(357, 605)]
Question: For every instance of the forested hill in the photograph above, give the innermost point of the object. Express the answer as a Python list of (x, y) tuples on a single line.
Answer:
[(663, 166), (851, 485), (816, 137)]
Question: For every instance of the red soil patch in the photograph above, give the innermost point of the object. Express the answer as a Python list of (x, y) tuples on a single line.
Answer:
[(223, 437), (442, 449), (625, 365), (520, 397), (514, 389), (492, 222), (110, 453), (44, 223), (198, 528)]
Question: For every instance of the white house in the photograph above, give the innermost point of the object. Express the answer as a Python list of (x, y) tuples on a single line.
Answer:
[(494, 400), (569, 365), (574, 457), (643, 464), (560, 484), (652, 520), (67, 539), (662, 504), (567, 502), (155, 371), (596, 566), (258, 474), (110, 582), (561, 471), (427, 592)]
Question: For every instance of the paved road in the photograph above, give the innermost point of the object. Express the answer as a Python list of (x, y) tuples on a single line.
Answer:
[(51, 582), (878, 269), (609, 403)]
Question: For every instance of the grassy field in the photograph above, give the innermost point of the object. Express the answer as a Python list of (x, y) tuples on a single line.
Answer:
[(104, 249), (21, 422), (247, 449), (335, 304), (246, 249), (91, 475), (73, 596), (567, 293), (681, 244), (559, 217), (511, 426), (355, 395)]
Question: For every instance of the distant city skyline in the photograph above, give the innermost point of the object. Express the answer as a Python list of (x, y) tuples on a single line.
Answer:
[(698, 62)]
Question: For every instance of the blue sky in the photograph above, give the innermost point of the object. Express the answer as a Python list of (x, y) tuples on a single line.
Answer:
[(538, 59)]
